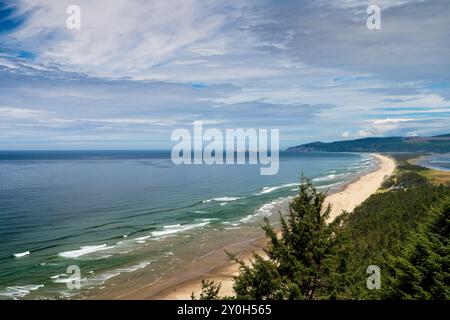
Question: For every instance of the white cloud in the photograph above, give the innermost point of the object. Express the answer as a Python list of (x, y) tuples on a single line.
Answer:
[(21, 113), (364, 134), (361, 5), (346, 134), (267, 62), (389, 121), (7, 64), (382, 127), (134, 38)]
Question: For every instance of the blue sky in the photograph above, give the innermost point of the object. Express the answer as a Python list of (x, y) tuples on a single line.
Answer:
[(137, 70)]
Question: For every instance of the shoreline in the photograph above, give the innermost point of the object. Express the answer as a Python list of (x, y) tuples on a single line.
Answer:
[(355, 192), (216, 266), (421, 161)]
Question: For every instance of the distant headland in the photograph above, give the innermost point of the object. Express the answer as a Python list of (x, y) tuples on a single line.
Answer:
[(438, 144)]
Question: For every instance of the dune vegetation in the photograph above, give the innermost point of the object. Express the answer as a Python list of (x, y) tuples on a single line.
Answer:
[(403, 230)]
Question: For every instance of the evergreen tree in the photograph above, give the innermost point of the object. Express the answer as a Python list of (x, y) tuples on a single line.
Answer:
[(423, 270), (210, 291), (299, 259), (405, 231)]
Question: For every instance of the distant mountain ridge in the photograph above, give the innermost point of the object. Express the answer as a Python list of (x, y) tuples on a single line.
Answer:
[(438, 144)]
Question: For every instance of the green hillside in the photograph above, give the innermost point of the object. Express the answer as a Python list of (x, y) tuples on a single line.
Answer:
[(439, 144)]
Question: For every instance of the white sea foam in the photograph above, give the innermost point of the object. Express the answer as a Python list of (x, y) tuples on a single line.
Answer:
[(172, 226), (22, 254), (222, 199), (332, 177), (17, 292), (273, 188), (328, 177), (178, 229), (361, 164), (62, 279), (235, 224), (142, 238), (136, 267), (102, 278), (227, 199), (247, 218), (84, 250), (207, 219), (265, 210)]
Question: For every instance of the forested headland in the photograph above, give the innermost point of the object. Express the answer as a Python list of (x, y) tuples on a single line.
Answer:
[(399, 235)]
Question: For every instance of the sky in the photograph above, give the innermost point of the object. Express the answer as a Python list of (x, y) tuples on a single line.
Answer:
[(136, 70)]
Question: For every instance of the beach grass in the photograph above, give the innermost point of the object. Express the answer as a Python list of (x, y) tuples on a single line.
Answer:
[(437, 176), (407, 163)]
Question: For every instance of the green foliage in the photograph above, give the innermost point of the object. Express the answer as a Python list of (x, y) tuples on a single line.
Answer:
[(422, 270), (375, 230), (388, 182), (312, 260), (404, 231), (408, 175), (410, 179), (210, 291), (386, 144), (300, 260), (259, 281), (411, 167), (404, 158)]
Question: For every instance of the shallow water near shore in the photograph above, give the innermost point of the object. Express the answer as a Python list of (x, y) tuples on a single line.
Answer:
[(439, 161), (119, 214)]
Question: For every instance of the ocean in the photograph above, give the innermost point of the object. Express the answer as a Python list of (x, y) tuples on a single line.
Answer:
[(115, 213)]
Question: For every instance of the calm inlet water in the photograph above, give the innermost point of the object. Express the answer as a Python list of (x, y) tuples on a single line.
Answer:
[(436, 161), (98, 210)]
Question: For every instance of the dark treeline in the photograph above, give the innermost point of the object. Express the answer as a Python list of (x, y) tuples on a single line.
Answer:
[(379, 230), (404, 231), (439, 144)]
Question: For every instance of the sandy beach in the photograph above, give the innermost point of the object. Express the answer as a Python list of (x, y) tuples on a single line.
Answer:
[(358, 191), (216, 265), (351, 196)]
